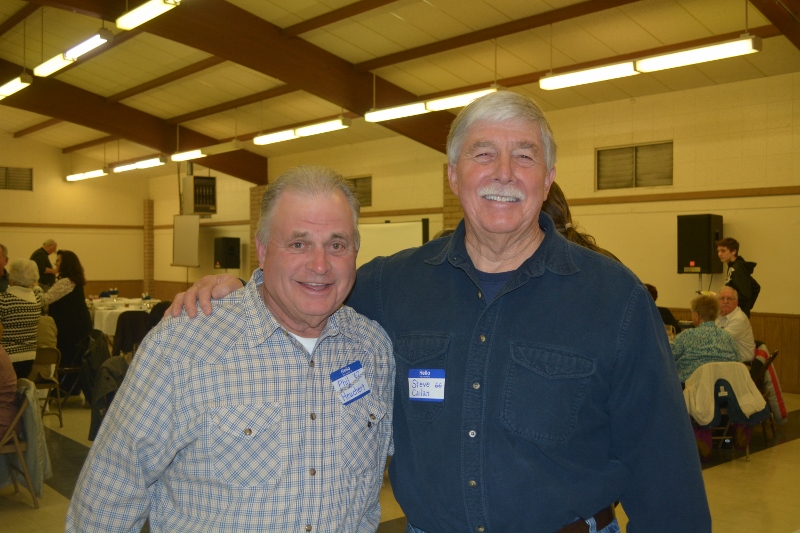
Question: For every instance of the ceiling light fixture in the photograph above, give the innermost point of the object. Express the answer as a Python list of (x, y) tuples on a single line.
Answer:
[(67, 58), (187, 156), (391, 113), (143, 13), (87, 175), (434, 104), (458, 100), (323, 127), (145, 163), (215, 149), (278, 136), (592, 75), (745, 44), (17, 84)]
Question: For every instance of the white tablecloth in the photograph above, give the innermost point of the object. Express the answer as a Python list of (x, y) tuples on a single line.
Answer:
[(106, 313)]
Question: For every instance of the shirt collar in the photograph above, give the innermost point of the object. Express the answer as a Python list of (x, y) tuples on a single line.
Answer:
[(261, 324), (554, 253)]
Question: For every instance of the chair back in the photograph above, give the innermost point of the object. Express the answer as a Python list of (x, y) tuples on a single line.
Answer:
[(10, 443), (157, 312), (45, 366), (759, 369), (132, 326)]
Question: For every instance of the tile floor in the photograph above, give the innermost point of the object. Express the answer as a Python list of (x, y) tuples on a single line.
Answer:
[(759, 496)]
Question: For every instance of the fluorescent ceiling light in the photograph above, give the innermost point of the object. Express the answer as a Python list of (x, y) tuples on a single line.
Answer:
[(145, 163), (17, 84), (323, 127), (458, 100), (186, 156), (145, 12), (87, 175), (101, 37), (51, 65), (592, 75), (746, 44), (60, 61), (409, 110), (276, 137)]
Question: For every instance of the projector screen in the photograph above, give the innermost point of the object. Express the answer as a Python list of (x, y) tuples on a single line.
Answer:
[(386, 239), (185, 240)]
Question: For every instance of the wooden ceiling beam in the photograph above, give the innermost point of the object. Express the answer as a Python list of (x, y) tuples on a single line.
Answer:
[(17, 17), (487, 34), (167, 78), (350, 10), (90, 144), (37, 127), (54, 98), (233, 104), (784, 14)]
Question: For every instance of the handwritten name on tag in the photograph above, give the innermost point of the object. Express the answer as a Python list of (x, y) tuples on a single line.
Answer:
[(350, 382), (426, 384)]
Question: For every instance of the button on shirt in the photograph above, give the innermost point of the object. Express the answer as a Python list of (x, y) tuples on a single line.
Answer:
[(565, 377), (212, 429), (706, 343)]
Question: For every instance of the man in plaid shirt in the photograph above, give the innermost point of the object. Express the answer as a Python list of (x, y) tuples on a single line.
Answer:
[(272, 414)]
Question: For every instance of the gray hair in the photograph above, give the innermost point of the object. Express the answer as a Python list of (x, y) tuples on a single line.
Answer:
[(4, 250), (23, 272), (306, 180), (498, 107), (728, 287), (48, 242)]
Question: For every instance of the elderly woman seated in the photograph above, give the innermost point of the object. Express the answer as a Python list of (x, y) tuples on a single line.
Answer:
[(20, 309), (706, 343)]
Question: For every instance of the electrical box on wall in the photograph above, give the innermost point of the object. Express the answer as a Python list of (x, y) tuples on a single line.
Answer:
[(199, 196)]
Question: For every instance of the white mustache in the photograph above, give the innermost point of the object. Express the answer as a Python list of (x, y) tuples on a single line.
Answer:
[(500, 192)]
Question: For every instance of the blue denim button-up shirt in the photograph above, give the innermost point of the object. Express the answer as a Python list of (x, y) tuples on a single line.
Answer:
[(561, 395)]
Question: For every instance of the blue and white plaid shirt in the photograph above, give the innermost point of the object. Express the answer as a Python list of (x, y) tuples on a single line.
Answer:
[(226, 424)]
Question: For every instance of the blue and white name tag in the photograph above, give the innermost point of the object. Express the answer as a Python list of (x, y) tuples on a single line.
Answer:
[(350, 382), (426, 385)]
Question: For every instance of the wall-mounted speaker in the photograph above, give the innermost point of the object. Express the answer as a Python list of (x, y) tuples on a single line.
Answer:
[(226, 252), (697, 244)]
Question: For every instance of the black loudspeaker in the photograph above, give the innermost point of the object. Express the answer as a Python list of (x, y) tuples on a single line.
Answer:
[(697, 244), (226, 252)]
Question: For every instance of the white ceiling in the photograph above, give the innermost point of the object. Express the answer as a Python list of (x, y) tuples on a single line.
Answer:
[(392, 28)]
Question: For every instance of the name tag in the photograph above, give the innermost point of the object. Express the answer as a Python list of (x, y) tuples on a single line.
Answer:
[(350, 382), (426, 385)]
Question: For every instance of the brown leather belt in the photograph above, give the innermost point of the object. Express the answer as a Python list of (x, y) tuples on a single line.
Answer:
[(602, 519)]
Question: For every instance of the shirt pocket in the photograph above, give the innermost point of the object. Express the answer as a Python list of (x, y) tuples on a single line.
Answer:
[(543, 392), (364, 434), (420, 350), (247, 444)]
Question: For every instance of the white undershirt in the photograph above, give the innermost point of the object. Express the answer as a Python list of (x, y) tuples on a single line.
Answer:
[(307, 343)]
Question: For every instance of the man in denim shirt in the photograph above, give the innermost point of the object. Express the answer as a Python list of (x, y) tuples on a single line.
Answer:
[(535, 385)]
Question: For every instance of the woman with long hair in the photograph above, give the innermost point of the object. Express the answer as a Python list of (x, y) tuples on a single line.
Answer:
[(557, 207), (68, 306)]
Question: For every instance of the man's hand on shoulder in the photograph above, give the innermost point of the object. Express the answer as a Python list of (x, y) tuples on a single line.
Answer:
[(203, 291)]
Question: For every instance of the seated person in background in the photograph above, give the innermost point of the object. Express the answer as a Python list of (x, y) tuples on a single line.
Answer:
[(733, 320), (706, 343), (556, 206), (20, 309), (666, 315), (8, 392)]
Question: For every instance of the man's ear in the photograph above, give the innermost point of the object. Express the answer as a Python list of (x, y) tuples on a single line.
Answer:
[(452, 178)]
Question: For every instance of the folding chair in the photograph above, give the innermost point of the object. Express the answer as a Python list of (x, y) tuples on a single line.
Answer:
[(11, 443), (758, 370), (44, 375)]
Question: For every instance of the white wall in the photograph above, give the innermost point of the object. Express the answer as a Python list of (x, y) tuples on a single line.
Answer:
[(104, 253), (233, 205), (735, 136)]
